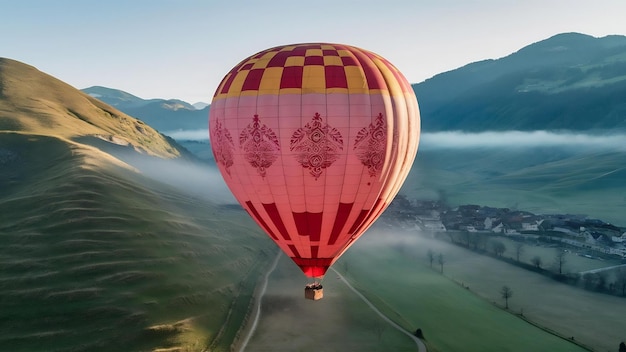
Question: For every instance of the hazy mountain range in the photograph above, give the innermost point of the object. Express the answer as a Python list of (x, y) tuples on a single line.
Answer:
[(570, 81), (161, 114)]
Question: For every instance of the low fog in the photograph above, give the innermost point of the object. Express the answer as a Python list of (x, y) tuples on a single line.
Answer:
[(198, 179), (521, 139), (384, 234), (489, 139), (189, 135)]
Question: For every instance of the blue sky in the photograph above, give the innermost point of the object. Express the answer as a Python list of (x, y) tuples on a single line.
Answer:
[(182, 48)]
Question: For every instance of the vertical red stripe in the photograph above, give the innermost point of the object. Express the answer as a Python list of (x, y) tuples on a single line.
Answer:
[(372, 74), (294, 250), (309, 224), (343, 211), (314, 251), (374, 213), (358, 221), (255, 215), (272, 211)]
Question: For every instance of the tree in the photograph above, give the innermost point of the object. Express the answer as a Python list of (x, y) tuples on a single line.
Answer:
[(622, 347), (431, 257), (536, 261), (506, 293), (601, 280), (560, 260), (379, 328), (498, 247), (440, 261), (620, 281), (519, 249)]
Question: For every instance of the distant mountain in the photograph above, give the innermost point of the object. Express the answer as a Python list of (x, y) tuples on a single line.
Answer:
[(163, 115), (200, 105), (569, 81)]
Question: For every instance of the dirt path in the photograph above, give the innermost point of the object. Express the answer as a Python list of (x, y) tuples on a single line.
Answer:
[(257, 305), (263, 294), (420, 345)]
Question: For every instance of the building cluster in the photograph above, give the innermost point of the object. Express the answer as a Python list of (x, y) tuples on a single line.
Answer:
[(569, 229)]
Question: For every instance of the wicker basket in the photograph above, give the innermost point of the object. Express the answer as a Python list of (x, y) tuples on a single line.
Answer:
[(314, 293)]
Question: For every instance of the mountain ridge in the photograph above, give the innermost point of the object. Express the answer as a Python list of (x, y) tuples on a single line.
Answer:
[(162, 114), (551, 84)]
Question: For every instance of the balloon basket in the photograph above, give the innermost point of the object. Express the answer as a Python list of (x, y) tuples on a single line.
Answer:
[(313, 292)]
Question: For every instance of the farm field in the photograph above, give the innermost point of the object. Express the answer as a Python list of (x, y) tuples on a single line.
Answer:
[(575, 262), (593, 319)]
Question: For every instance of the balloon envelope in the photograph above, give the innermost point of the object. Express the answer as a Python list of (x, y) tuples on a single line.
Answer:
[(314, 141)]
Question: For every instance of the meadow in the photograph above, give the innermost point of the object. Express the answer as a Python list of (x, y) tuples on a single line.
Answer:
[(463, 308), (574, 261)]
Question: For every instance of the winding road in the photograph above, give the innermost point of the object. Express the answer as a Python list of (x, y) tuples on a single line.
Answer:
[(259, 297)]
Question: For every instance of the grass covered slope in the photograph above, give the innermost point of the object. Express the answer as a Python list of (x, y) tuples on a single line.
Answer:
[(34, 102), (96, 257), (394, 274)]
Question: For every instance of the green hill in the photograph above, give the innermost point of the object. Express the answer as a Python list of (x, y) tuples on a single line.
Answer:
[(96, 255)]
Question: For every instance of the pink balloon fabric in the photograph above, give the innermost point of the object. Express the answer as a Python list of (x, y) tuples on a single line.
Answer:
[(314, 140)]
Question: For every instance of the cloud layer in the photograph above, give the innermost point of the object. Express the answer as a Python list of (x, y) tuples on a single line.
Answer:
[(189, 135), (519, 139)]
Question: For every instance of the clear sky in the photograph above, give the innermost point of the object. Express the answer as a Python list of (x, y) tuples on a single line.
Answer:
[(183, 48)]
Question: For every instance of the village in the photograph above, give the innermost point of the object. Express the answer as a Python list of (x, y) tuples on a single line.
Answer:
[(586, 236)]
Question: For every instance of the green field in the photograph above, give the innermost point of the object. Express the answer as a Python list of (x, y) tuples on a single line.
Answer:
[(462, 310), (97, 257), (574, 263)]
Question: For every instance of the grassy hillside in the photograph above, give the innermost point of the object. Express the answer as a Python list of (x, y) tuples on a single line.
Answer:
[(460, 311), (34, 102), (96, 257)]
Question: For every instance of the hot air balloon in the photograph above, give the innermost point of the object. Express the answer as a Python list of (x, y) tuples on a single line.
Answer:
[(314, 141)]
